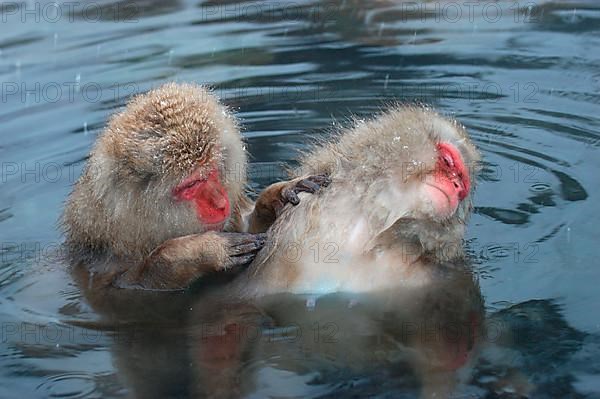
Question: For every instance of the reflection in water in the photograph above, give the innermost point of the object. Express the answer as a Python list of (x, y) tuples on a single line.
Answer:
[(531, 351), (403, 343), (220, 345)]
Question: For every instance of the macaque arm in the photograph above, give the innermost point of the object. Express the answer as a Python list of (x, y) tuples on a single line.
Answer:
[(178, 262), (272, 200)]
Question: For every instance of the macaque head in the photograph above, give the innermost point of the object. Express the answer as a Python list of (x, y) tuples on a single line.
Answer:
[(409, 169), (172, 163)]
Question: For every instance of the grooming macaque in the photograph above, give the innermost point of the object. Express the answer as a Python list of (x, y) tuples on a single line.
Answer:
[(162, 195), (365, 278)]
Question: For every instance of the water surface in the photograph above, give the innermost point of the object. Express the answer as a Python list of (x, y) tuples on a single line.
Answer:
[(522, 76)]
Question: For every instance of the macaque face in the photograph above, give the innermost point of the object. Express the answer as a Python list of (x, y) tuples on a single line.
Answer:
[(206, 192), (449, 183), (434, 186)]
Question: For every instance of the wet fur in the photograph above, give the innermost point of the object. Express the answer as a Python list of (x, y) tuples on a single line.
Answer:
[(395, 149), (122, 203)]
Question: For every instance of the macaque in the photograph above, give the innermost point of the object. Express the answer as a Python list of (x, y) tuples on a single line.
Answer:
[(383, 241), (396, 207), (390, 304), (162, 195)]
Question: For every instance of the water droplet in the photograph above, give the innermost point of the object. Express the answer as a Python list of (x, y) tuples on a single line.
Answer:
[(413, 40), (539, 187), (18, 69)]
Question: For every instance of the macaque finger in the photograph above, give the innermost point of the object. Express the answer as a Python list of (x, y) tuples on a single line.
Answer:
[(312, 184), (247, 248), (289, 195), (236, 239), (321, 180), (306, 186), (243, 260)]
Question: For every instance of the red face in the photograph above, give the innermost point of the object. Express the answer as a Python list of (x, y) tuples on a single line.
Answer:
[(208, 196), (450, 183)]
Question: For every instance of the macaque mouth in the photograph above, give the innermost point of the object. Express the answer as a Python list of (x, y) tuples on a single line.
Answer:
[(442, 192), (207, 194)]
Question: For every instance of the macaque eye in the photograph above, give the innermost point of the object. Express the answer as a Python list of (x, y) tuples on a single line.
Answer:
[(445, 155), (192, 184), (447, 158), (186, 190)]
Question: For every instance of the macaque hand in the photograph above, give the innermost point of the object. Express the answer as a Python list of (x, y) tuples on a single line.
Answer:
[(273, 199), (310, 184), (242, 248), (180, 261)]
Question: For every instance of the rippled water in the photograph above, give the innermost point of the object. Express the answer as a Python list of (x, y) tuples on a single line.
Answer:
[(524, 78)]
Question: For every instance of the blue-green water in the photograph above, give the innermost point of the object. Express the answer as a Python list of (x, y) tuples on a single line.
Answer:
[(524, 77)]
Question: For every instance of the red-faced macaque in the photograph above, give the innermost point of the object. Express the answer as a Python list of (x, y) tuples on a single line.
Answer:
[(383, 304), (161, 199), (399, 197), (387, 231)]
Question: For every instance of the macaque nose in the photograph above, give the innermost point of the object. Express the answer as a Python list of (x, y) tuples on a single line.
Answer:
[(220, 202), (217, 195), (459, 185)]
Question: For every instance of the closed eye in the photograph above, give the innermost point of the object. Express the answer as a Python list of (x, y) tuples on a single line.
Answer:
[(191, 184), (183, 190)]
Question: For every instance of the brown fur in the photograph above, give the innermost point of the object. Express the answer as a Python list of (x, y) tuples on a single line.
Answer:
[(122, 203), (123, 207)]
